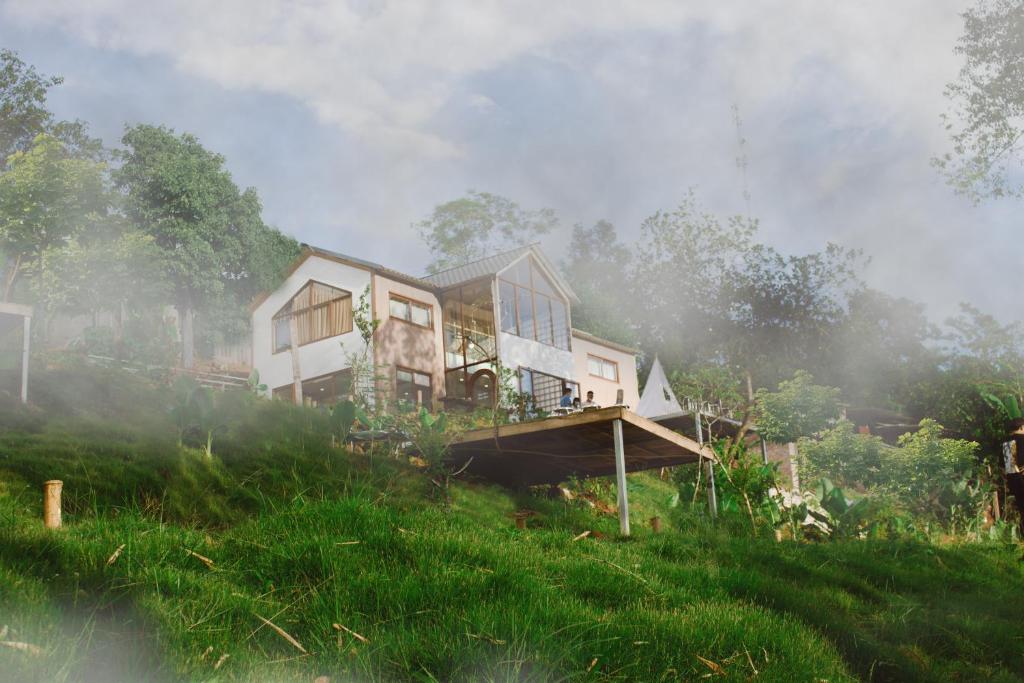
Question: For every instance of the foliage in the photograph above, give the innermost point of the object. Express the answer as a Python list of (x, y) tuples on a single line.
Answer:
[(709, 384), (210, 238), (478, 225), (842, 455), (598, 266), (798, 408), (847, 517), (308, 535), (933, 476), (934, 480), (47, 197), (987, 103)]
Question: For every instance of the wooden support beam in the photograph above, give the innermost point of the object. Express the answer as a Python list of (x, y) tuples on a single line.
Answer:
[(620, 477), (764, 451)]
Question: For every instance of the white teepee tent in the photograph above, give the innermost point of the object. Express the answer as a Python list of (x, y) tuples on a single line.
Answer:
[(657, 399)]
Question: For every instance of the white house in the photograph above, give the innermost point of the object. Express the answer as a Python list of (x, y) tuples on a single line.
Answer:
[(441, 339)]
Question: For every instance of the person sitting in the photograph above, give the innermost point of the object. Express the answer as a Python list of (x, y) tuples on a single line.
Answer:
[(566, 400), (576, 404), (590, 402)]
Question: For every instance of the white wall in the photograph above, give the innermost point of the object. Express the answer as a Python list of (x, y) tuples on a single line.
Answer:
[(515, 352), (319, 358), (605, 390)]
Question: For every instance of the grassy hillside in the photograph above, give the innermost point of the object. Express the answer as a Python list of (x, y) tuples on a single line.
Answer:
[(284, 558)]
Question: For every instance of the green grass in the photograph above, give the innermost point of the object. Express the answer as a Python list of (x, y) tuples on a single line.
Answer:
[(308, 536)]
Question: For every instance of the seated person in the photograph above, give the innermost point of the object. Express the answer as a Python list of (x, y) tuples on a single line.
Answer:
[(590, 402), (566, 400), (576, 404)]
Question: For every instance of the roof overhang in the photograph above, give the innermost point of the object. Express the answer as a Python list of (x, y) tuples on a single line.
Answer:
[(551, 450)]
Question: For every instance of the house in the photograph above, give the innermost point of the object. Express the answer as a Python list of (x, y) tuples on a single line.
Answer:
[(442, 339)]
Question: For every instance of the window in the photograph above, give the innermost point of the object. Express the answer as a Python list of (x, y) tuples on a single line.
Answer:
[(411, 311), (319, 311), (545, 389), (320, 391), (601, 367), (414, 387), (531, 307)]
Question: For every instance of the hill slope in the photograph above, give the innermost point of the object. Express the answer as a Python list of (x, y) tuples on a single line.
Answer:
[(284, 558)]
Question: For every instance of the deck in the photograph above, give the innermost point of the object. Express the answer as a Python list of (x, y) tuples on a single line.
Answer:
[(551, 450)]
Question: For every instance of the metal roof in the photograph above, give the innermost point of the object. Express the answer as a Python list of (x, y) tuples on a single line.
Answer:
[(492, 265)]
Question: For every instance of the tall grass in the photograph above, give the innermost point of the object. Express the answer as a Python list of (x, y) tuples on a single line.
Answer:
[(281, 527)]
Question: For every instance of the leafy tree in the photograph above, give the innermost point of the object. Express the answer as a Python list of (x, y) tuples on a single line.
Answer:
[(932, 475), (881, 345), (843, 456), (986, 123), (210, 238), (681, 265), (782, 311), (478, 225), (23, 114), (598, 267), (47, 197), (798, 408), (89, 274)]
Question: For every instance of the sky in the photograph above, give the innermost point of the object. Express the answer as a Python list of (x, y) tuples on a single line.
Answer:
[(354, 119)]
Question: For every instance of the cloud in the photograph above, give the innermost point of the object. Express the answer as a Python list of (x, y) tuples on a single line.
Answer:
[(382, 70), (596, 108)]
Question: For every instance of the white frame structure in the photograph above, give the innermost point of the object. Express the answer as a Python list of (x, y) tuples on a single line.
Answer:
[(25, 312)]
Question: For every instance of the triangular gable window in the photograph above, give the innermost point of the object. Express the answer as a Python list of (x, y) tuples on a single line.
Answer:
[(319, 311)]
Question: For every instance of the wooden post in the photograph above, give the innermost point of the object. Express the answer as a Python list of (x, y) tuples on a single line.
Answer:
[(710, 465), (26, 338), (293, 332), (764, 451), (51, 503), (620, 477)]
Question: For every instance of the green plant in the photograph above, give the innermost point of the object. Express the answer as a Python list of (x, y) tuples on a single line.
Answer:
[(253, 383)]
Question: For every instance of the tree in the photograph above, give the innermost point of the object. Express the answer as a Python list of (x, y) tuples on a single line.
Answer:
[(798, 408), (883, 344), (680, 270), (598, 268), (47, 197), (210, 238), (986, 123), (478, 225), (23, 114)]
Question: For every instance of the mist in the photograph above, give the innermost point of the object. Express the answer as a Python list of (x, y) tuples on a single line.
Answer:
[(603, 114)]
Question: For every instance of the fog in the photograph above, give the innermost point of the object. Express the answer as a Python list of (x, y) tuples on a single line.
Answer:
[(353, 121)]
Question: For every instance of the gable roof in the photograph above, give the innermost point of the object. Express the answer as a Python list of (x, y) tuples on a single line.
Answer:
[(309, 250), (492, 265)]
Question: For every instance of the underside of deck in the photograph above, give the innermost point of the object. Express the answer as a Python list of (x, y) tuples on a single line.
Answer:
[(550, 451)]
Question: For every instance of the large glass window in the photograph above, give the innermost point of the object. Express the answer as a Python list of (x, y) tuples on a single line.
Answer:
[(469, 341), (318, 310), (531, 307)]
